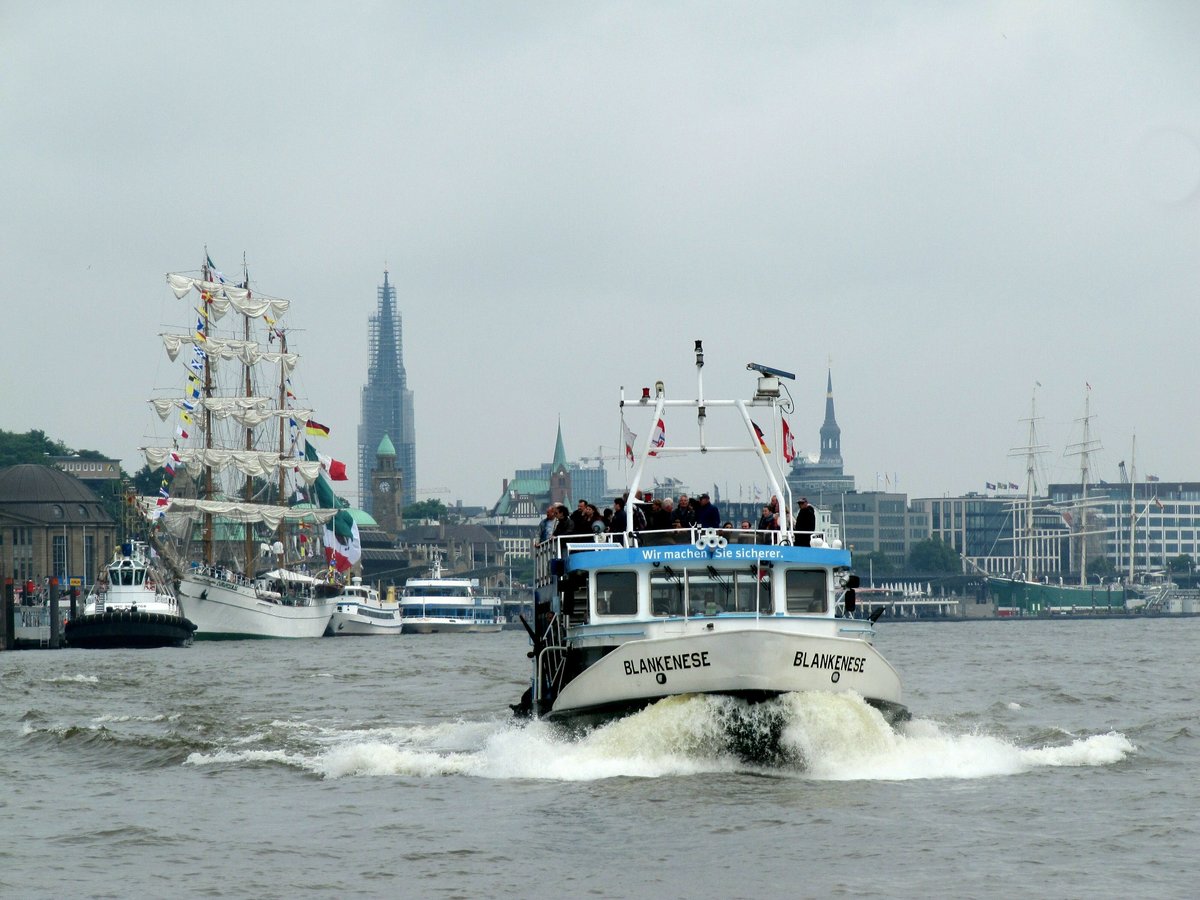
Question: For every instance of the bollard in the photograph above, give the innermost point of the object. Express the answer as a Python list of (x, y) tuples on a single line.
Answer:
[(55, 625), (8, 618)]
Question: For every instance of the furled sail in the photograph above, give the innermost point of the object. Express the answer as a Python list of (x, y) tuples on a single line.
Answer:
[(220, 297), (251, 463), (248, 352), (272, 516), (248, 411)]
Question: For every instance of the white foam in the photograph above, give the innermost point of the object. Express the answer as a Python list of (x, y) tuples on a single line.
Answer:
[(833, 737), (1097, 750), (1013, 706), (73, 679), (252, 756)]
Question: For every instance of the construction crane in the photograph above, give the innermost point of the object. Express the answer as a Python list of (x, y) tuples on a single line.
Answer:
[(601, 457), (434, 491)]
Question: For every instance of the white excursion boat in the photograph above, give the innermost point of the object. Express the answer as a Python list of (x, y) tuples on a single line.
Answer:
[(435, 604), (240, 436), (631, 617), (360, 610), (130, 605)]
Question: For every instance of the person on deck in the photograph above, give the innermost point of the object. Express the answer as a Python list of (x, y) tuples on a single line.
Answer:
[(806, 523), (707, 514), (685, 512)]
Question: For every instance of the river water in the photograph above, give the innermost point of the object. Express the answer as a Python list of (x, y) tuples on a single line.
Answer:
[(1047, 759)]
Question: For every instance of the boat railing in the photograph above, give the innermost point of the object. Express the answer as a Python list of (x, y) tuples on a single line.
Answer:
[(564, 545), (551, 661)]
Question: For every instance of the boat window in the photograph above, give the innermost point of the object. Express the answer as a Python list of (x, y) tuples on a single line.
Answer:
[(806, 591), (746, 593), (616, 593), (666, 593), (708, 596), (139, 576)]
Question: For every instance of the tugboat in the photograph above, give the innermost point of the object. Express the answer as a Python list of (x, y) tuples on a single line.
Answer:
[(630, 617), (130, 606)]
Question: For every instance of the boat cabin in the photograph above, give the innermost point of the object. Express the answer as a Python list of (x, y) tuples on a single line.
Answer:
[(717, 576)]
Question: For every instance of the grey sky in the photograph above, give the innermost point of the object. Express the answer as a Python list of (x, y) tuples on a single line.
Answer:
[(951, 201)]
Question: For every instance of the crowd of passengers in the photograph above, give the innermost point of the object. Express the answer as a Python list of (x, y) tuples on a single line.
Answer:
[(647, 513)]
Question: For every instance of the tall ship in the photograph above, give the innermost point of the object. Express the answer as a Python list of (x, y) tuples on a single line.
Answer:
[(1023, 592), (240, 549), (440, 603), (630, 617)]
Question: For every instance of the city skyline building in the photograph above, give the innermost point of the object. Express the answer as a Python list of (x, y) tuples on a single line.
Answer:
[(387, 402)]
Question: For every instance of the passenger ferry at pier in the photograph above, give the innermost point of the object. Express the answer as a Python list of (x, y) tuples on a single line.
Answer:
[(624, 619), (436, 604)]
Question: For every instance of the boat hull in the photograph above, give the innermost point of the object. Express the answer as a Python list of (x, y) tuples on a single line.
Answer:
[(432, 626), (754, 664), (126, 628), (236, 612), (344, 623)]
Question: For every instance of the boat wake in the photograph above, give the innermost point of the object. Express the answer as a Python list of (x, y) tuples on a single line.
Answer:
[(818, 736)]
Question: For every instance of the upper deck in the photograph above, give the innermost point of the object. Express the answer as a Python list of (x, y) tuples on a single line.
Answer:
[(718, 574)]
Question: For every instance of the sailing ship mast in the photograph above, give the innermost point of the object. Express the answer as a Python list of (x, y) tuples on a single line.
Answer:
[(248, 555), (1083, 450), (208, 392), (1031, 451)]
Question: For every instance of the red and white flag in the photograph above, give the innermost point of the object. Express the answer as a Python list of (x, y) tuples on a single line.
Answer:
[(789, 447), (335, 468), (659, 439), (628, 437), (342, 554)]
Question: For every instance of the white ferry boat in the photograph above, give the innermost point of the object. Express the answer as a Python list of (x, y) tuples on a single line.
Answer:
[(130, 605), (360, 610), (436, 604), (632, 617)]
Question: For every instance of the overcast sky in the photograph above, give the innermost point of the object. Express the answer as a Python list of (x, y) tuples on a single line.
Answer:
[(946, 202)]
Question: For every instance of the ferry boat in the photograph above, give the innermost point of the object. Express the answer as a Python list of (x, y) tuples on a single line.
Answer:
[(360, 610), (435, 604), (130, 605), (628, 618)]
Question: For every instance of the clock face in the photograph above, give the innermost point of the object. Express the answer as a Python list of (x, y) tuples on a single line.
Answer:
[(385, 486)]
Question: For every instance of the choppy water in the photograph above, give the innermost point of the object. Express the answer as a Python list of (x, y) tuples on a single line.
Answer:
[(1048, 759)]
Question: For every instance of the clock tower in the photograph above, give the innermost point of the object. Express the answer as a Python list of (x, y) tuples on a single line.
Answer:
[(386, 486)]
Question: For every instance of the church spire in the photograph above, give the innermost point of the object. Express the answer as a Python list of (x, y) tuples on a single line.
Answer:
[(560, 453), (831, 434)]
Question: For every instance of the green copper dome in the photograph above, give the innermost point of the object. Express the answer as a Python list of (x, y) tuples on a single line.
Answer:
[(386, 447)]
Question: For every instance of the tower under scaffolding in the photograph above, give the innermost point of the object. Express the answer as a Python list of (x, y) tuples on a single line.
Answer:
[(387, 403)]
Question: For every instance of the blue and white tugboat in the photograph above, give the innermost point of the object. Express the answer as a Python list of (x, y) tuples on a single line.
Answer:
[(625, 619), (130, 605)]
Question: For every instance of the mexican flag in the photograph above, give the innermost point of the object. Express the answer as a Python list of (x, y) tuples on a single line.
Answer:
[(343, 547)]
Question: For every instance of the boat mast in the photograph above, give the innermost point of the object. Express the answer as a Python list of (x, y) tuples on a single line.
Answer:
[(1132, 508), (1083, 450), (1031, 451), (249, 558), (208, 477), (281, 532)]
